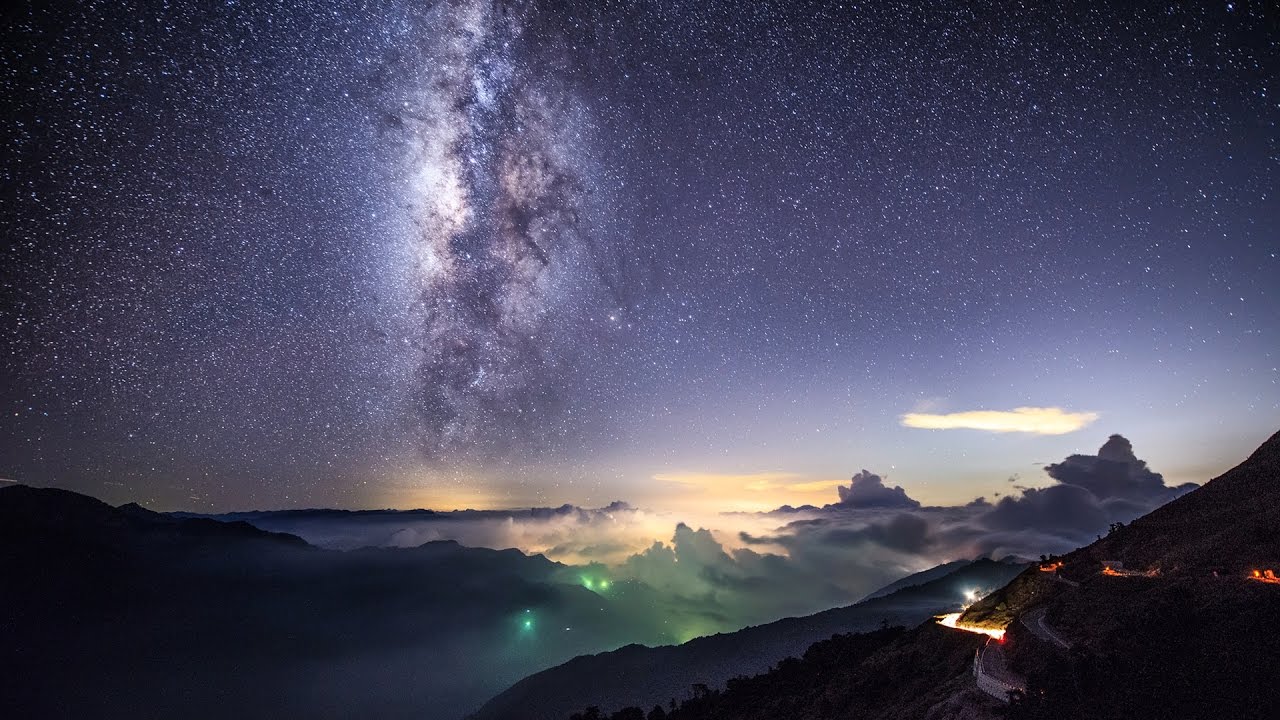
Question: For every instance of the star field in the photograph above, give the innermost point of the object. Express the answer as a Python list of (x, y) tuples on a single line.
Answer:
[(266, 254)]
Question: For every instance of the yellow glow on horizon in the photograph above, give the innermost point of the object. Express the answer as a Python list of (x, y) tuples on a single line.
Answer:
[(746, 492), (450, 496), (1035, 420)]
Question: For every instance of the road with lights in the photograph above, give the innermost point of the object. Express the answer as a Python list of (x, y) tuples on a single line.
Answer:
[(992, 673)]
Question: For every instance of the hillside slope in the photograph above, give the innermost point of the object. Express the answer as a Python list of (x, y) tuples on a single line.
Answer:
[(1226, 528), (1184, 634), (1196, 640), (919, 578), (882, 675), (644, 676), (110, 612), (1231, 524)]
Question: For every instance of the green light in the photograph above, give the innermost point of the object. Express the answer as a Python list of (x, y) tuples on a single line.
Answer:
[(528, 624), (588, 583), (604, 584)]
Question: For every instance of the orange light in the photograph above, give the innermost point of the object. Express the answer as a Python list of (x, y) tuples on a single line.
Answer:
[(1257, 574), (951, 620)]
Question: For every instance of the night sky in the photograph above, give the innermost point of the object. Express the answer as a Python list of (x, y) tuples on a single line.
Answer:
[(454, 254)]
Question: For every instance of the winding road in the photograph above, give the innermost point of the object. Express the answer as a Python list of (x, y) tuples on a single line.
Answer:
[(989, 667), (1034, 621), (992, 676)]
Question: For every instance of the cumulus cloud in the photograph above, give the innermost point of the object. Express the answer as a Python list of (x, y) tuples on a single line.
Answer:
[(868, 490), (905, 533), (885, 529), (722, 570), (1036, 420), (1092, 491), (734, 586)]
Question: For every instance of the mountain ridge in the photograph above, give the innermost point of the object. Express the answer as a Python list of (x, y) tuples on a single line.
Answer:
[(643, 676), (120, 612), (1190, 635)]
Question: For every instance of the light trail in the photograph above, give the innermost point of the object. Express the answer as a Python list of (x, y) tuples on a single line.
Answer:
[(952, 620)]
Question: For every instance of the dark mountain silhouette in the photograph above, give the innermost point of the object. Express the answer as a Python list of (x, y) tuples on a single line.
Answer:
[(1180, 630), (63, 517), (1222, 530), (645, 676), (350, 529), (919, 578), (122, 612), (113, 612), (882, 675), (1231, 525), (1177, 630)]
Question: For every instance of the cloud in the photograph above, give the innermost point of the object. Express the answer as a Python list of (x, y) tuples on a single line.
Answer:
[(885, 528), (734, 586), (720, 570), (868, 490), (1036, 420), (905, 532), (1114, 473), (1092, 491), (565, 534)]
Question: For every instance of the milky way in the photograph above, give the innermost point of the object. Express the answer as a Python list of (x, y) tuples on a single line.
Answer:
[(496, 198)]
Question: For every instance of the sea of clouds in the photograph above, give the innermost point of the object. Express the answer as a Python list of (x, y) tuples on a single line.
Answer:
[(745, 568)]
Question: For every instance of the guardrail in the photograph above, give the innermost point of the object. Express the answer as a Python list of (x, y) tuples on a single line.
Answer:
[(997, 687)]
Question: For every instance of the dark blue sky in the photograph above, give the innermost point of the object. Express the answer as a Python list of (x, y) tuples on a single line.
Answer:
[(265, 254)]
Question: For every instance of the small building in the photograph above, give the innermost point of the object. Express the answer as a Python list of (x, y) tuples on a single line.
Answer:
[(1266, 576)]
